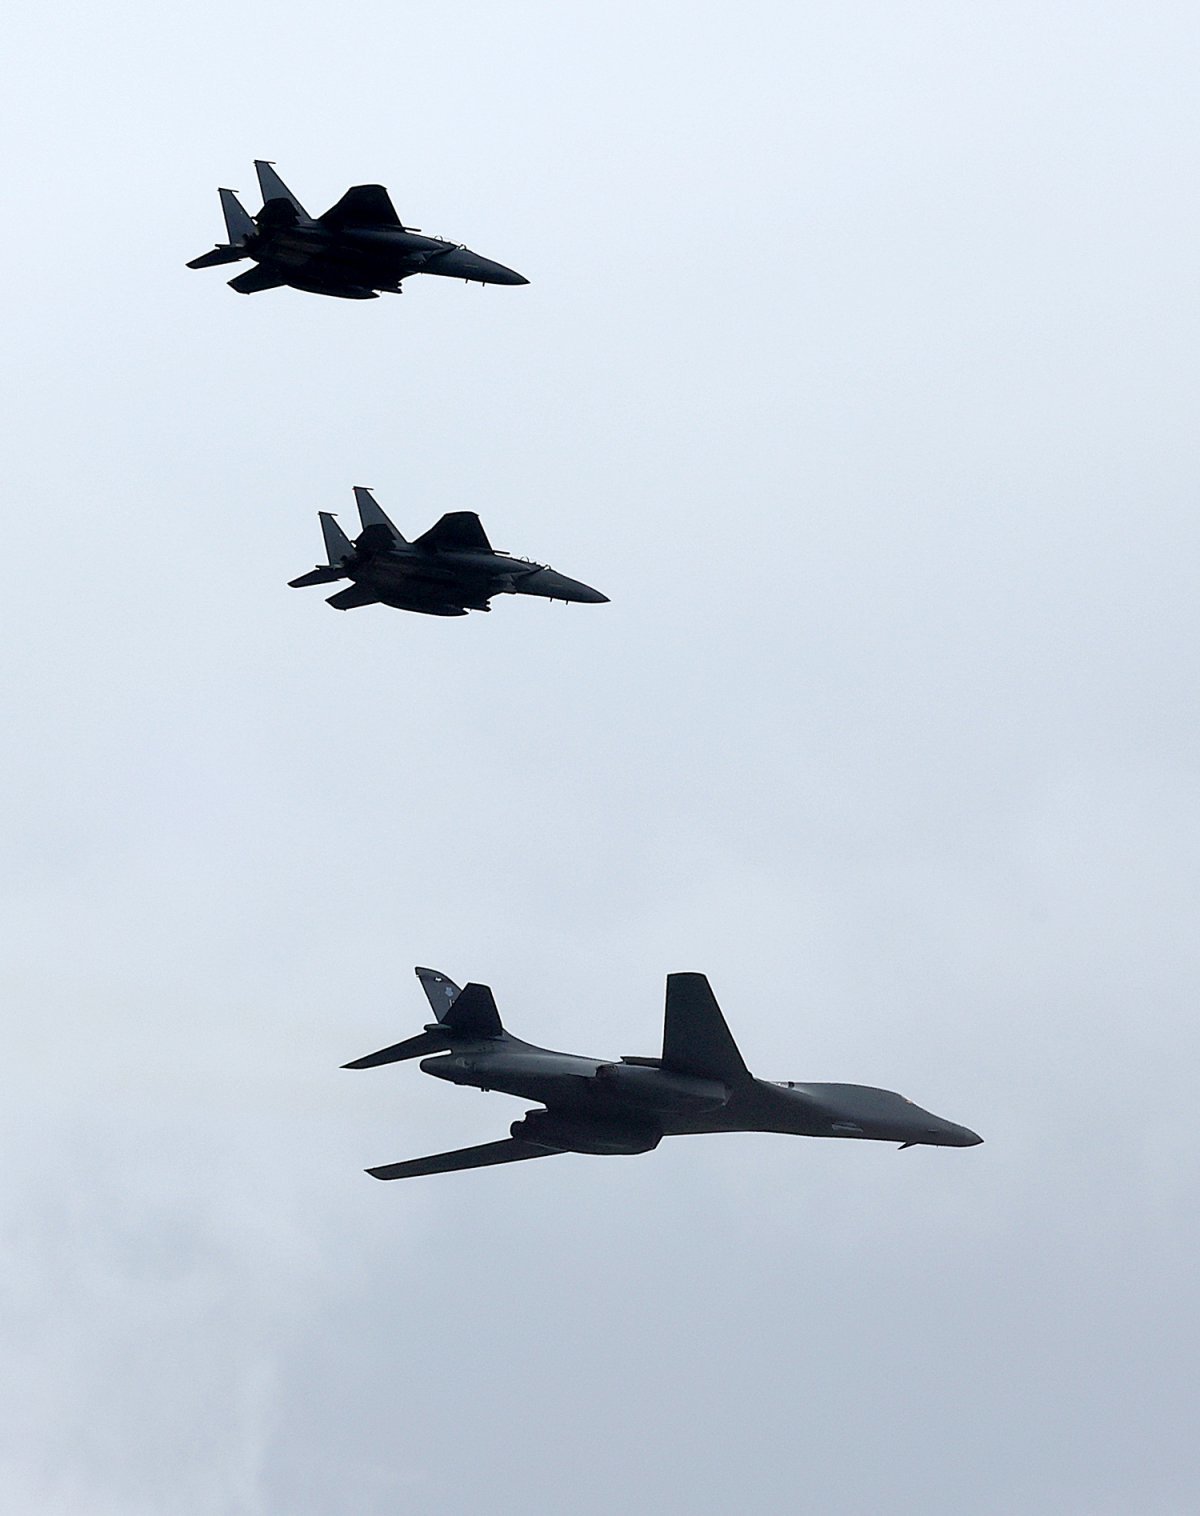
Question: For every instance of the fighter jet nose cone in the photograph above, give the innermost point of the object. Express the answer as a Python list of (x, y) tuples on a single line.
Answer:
[(554, 586), (967, 1138)]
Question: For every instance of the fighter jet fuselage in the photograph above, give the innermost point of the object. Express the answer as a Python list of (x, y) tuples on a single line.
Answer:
[(449, 570), (358, 249), (591, 1105)]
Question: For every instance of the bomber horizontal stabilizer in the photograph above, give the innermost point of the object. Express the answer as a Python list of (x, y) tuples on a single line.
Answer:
[(399, 1052), (456, 532), (508, 1150)]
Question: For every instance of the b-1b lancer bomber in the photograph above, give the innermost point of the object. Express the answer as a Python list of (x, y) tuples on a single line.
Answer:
[(358, 249), (449, 570), (588, 1105)]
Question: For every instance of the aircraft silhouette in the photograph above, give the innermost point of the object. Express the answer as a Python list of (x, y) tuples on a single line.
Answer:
[(588, 1105), (449, 570), (356, 250)]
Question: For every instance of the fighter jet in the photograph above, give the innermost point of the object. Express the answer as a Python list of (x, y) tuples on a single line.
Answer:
[(449, 570), (355, 251), (588, 1105)]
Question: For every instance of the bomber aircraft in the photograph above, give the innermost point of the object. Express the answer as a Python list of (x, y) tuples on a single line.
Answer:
[(449, 570), (358, 249), (588, 1105)]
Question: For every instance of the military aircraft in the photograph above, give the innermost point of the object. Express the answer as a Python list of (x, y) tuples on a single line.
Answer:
[(356, 250), (699, 1084), (449, 570)]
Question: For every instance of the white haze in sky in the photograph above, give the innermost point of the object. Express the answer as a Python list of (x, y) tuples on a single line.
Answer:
[(859, 367)]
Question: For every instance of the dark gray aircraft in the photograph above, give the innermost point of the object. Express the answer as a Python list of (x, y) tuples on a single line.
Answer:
[(449, 570), (356, 250), (700, 1084)]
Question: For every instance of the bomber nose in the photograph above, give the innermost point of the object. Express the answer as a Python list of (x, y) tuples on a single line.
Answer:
[(964, 1137)]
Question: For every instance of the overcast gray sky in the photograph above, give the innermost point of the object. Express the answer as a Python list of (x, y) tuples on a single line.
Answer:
[(859, 368)]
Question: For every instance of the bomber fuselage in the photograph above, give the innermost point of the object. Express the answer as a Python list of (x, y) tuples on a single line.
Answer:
[(632, 1094)]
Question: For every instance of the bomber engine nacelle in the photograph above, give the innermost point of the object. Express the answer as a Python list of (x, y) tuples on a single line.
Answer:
[(586, 1134), (658, 1089)]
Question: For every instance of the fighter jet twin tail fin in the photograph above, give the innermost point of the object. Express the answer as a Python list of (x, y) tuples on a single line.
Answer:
[(361, 205), (377, 532)]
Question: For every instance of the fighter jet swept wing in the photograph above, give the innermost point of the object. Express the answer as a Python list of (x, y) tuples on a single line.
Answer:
[(591, 1105), (357, 250)]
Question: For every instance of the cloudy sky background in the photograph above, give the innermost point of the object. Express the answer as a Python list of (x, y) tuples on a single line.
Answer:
[(859, 368)]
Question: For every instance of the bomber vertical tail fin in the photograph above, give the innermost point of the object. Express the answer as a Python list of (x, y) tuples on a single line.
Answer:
[(439, 991)]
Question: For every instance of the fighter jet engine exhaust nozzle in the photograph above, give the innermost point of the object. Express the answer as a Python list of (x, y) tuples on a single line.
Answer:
[(585, 1134)]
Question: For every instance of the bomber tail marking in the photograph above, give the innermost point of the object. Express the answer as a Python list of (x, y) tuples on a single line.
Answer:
[(439, 991)]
